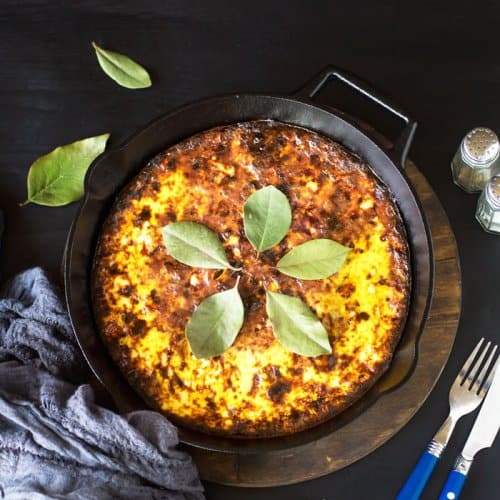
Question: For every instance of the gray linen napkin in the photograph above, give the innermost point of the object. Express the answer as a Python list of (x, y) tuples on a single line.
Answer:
[(55, 442)]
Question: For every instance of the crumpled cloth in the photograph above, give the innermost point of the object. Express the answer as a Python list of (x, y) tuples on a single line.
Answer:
[(55, 442)]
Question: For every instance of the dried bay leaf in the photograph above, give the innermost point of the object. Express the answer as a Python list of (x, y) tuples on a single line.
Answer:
[(267, 217), (296, 327), (215, 324), (122, 69), (195, 245), (314, 259), (56, 178)]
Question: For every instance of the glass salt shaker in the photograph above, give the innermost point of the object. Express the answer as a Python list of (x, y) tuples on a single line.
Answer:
[(476, 160), (488, 206)]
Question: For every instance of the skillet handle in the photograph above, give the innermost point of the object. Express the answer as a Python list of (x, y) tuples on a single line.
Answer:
[(399, 151)]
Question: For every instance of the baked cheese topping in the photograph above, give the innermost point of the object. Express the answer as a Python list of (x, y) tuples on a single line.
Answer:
[(143, 297)]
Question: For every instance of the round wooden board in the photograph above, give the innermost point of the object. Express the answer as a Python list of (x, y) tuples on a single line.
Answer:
[(372, 428)]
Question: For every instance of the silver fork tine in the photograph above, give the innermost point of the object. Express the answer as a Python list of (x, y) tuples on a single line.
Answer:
[(480, 378), (487, 384), (470, 359), (477, 365)]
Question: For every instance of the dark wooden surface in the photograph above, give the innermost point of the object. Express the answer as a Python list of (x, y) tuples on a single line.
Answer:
[(438, 60), (372, 428)]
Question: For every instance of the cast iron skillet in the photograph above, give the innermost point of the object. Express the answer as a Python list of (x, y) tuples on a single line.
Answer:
[(111, 171)]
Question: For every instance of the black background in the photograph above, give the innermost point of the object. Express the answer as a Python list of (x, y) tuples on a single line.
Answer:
[(438, 60)]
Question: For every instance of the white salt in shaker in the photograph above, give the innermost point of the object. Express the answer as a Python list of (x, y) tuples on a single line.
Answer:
[(476, 160), (488, 206)]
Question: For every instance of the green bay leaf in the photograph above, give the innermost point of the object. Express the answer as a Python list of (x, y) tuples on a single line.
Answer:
[(215, 324), (56, 178), (314, 259), (195, 245), (122, 69), (266, 217), (296, 326)]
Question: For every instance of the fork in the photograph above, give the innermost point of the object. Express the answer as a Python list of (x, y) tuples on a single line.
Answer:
[(466, 393)]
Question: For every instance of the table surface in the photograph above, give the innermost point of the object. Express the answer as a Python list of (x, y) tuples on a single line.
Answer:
[(438, 60)]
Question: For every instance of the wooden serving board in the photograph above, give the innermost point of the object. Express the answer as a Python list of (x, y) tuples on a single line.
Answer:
[(372, 428)]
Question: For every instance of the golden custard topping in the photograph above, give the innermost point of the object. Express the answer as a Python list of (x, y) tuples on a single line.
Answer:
[(143, 297)]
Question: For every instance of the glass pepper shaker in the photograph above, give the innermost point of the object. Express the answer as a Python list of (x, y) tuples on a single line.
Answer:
[(476, 160), (488, 206)]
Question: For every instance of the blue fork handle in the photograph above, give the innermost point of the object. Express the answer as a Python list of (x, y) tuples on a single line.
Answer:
[(453, 486), (421, 473)]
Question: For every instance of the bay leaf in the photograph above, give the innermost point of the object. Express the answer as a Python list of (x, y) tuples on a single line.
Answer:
[(314, 259), (266, 217), (296, 326), (56, 178), (215, 324), (122, 69), (195, 245)]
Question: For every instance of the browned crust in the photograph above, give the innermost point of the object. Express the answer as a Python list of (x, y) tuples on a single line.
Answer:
[(142, 186)]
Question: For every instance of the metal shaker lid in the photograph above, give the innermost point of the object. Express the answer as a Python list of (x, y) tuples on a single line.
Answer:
[(480, 146), (493, 191)]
